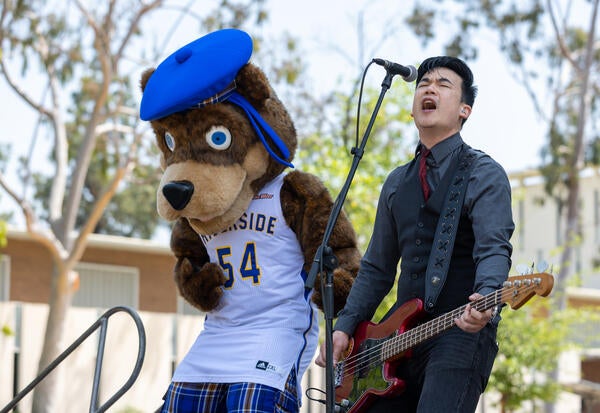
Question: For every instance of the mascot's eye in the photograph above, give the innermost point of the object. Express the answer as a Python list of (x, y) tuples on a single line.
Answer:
[(170, 141), (218, 137)]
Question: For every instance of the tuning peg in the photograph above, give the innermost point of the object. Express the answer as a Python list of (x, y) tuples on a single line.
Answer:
[(542, 266)]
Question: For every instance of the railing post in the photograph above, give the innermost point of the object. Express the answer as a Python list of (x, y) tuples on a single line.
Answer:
[(100, 323)]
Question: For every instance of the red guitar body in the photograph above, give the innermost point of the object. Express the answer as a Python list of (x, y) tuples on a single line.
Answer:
[(363, 383)]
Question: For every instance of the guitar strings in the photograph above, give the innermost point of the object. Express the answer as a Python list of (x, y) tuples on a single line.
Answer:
[(357, 358), (407, 336), (446, 321)]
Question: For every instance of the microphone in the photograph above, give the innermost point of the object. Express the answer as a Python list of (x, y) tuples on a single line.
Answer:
[(408, 73)]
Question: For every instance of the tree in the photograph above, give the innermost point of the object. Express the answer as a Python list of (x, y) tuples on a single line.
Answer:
[(529, 338), (82, 55), (525, 351), (6, 331)]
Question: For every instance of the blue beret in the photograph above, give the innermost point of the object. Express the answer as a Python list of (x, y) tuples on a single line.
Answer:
[(202, 73), (196, 72)]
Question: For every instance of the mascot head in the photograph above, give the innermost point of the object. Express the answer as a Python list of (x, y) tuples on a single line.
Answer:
[(221, 130)]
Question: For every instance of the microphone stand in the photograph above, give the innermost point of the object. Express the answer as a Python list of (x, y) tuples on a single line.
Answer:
[(325, 259)]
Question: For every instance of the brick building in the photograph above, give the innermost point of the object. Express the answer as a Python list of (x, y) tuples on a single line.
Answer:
[(113, 271)]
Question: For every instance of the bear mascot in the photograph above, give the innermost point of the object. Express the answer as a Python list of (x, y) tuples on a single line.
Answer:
[(245, 230)]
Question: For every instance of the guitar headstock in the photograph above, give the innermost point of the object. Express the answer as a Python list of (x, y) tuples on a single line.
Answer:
[(518, 289)]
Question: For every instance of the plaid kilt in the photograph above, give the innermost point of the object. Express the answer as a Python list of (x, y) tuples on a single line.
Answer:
[(231, 398)]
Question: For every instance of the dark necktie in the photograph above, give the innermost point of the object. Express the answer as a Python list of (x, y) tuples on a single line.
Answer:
[(423, 172)]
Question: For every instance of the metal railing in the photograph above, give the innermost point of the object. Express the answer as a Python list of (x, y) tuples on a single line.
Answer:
[(101, 323)]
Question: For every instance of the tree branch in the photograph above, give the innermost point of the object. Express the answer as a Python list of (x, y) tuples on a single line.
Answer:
[(134, 26), (100, 205), (46, 238), (560, 39), (87, 147), (19, 91)]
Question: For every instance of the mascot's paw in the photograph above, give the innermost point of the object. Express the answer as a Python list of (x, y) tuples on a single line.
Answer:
[(201, 287), (342, 282)]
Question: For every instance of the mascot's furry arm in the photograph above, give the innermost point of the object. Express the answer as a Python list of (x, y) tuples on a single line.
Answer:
[(306, 205), (199, 281)]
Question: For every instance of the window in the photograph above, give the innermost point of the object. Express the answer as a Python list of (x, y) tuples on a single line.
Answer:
[(106, 286), (4, 278), (559, 234), (521, 227)]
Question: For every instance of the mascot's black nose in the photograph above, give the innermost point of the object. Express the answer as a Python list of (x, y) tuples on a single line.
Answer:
[(178, 193)]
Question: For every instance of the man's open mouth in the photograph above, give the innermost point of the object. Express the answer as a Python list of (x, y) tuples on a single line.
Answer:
[(428, 104)]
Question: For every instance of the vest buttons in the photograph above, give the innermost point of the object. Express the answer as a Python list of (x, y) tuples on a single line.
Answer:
[(418, 241), (420, 224), (416, 259), (414, 276)]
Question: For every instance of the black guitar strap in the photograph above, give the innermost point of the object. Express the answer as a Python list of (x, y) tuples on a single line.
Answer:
[(447, 225)]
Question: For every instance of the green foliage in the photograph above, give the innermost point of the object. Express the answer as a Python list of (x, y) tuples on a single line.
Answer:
[(517, 23), (544, 45), (325, 153), (531, 340), (7, 331), (3, 231), (129, 409), (5, 149), (229, 13)]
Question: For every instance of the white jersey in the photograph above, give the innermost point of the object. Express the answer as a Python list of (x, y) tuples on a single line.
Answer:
[(265, 322)]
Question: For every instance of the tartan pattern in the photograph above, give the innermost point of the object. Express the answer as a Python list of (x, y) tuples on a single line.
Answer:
[(231, 398)]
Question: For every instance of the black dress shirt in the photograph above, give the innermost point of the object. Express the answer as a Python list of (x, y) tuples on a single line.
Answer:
[(488, 206)]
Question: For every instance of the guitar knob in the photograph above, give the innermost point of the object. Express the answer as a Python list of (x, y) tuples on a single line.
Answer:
[(342, 406)]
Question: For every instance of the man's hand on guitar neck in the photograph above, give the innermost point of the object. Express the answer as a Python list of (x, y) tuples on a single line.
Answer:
[(340, 342), (472, 320)]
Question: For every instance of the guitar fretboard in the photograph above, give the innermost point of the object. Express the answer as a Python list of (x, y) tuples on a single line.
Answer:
[(404, 341)]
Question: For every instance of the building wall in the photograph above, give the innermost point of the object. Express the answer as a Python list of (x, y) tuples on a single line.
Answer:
[(540, 227), (157, 289), (31, 268)]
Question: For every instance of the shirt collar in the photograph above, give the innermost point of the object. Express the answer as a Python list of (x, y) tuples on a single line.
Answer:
[(443, 148)]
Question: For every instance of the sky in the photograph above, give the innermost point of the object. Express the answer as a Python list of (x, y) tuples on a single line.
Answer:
[(503, 122)]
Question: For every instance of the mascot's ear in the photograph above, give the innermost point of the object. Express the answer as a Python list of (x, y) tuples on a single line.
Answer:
[(252, 83), (145, 76)]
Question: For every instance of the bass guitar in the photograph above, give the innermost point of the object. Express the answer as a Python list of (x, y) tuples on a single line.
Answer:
[(367, 372)]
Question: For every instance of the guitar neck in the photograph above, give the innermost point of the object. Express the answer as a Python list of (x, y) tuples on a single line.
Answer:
[(396, 345)]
